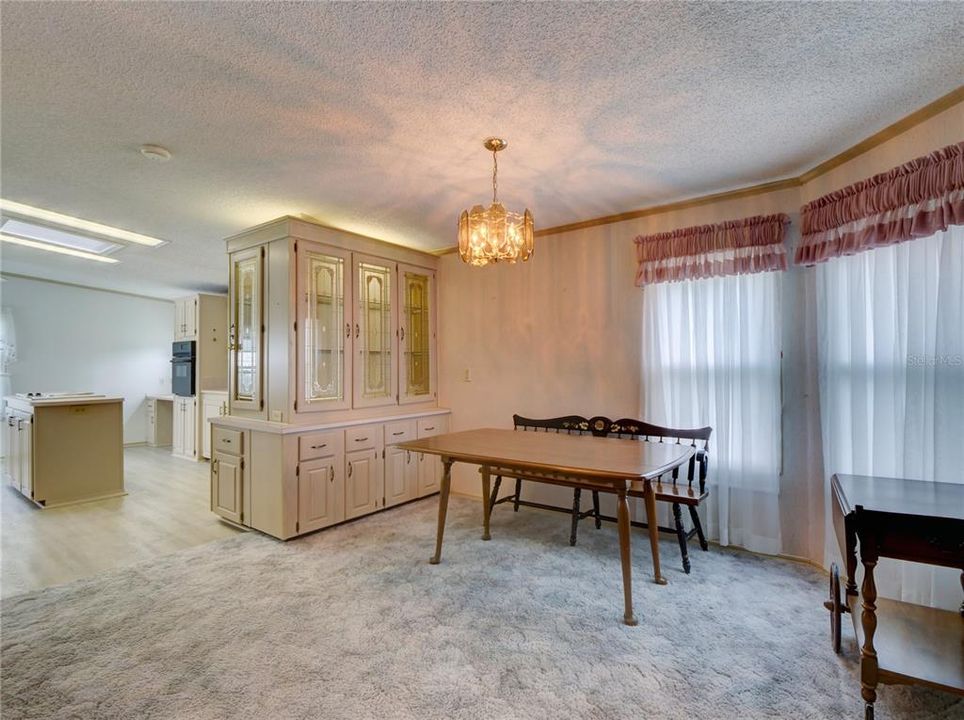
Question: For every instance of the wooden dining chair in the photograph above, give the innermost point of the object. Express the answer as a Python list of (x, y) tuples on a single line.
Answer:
[(689, 490)]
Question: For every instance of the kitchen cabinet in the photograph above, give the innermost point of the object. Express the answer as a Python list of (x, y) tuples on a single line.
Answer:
[(64, 449), (324, 328), (401, 476), (430, 467), (226, 472), (185, 318), (321, 493), (375, 367), (416, 334), (246, 330), (328, 322), (184, 434), (160, 421), (364, 483), (213, 404)]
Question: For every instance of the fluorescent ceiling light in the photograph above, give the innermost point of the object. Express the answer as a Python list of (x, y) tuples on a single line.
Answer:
[(26, 211), (55, 249), (58, 237)]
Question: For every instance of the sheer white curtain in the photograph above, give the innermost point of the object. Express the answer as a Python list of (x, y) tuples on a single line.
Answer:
[(711, 356), (891, 354)]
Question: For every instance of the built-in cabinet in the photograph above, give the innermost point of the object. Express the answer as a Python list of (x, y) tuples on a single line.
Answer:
[(160, 420), (332, 361), (184, 440), (18, 451), (320, 323)]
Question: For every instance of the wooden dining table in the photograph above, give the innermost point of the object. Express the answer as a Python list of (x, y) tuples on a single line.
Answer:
[(610, 465)]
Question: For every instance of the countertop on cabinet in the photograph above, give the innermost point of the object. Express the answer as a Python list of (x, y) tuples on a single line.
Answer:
[(239, 423), (166, 398), (15, 401)]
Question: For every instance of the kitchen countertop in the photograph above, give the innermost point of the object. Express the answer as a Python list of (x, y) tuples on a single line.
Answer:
[(15, 401)]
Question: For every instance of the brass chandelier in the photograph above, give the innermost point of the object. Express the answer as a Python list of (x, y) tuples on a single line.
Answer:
[(494, 234)]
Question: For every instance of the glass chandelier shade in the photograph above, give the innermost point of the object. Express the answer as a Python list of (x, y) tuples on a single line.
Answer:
[(494, 234)]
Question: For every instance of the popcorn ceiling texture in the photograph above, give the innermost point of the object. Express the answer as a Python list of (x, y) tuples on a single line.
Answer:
[(353, 623), (370, 116)]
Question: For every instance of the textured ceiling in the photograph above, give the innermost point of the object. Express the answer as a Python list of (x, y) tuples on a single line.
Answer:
[(370, 116)]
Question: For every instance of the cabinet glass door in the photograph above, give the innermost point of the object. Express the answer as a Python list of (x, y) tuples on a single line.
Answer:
[(375, 366), (246, 300), (416, 334), (323, 329)]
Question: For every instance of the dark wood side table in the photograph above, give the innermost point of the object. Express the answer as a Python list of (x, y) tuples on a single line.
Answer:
[(907, 520)]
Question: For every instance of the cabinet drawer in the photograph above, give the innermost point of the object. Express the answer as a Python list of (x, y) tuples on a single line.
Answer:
[(430, 426), (396, 432), (363, 437), (228, 441), (318, 445)]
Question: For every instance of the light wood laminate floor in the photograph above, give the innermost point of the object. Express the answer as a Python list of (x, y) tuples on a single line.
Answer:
[(166, 509)]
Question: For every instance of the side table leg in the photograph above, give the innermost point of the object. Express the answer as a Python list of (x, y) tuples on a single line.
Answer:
[(622, 520), (443, 506), (868, 620)]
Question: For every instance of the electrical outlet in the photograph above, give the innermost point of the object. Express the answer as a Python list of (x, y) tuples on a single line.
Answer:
[(468, 375)]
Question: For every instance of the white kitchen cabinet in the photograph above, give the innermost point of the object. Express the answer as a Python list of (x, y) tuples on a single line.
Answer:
[(160, 421), (375, 367), (364, 482), (246, 330), (213, 404), (321, 493), (401, 476), (430, 466), (324, 300), (416, 334), (226, 485), (186, 318), (184, 438)]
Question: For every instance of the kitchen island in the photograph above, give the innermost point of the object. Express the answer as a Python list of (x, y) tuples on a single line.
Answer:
[(62, 448)]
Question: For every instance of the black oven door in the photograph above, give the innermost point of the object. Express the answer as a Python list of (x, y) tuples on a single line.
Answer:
[(182, 376)]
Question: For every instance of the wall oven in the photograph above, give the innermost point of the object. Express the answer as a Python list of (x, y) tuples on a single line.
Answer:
[(182, 368)]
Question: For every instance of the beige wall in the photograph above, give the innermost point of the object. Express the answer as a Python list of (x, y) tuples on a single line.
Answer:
[(561, 333)]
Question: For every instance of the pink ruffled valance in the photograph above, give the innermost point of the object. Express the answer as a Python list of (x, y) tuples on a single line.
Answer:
[(734, 247), (914, 200)]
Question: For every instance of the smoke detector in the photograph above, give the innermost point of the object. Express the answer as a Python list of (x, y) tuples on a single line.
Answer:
[(155, 153)]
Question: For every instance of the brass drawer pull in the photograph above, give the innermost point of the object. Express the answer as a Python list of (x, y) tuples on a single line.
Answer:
[(429, 428), (319, 447), (400, 432), (364, 439)]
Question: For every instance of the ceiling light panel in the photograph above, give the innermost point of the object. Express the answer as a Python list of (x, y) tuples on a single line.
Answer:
[(47, 234), (24, 242), (19, 210)]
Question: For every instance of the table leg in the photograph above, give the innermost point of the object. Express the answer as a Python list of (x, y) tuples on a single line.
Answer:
[(443, 506), (486, 508), (622, 518), (649, 497), (868, 620)]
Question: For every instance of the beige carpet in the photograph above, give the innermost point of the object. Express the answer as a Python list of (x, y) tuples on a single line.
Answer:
[(354, 623)]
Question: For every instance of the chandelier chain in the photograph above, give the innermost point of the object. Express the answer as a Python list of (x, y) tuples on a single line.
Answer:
[(495, 177)]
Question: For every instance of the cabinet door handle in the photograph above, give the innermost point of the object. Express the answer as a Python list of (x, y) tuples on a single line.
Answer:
[(331, 473), (357, 330), (349, 469), (347, 330), (421, 457), (408, 458), (402, 334)]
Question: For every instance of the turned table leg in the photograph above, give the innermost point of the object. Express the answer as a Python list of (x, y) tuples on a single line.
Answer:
[(443, 506), (649, 496), (486, 507), (868, 621), (622, 519)]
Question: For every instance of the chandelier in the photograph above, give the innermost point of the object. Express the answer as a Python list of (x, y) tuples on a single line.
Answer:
[(492, 234)]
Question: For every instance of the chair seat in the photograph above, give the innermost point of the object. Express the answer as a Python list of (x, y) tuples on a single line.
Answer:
[(680, 492)]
